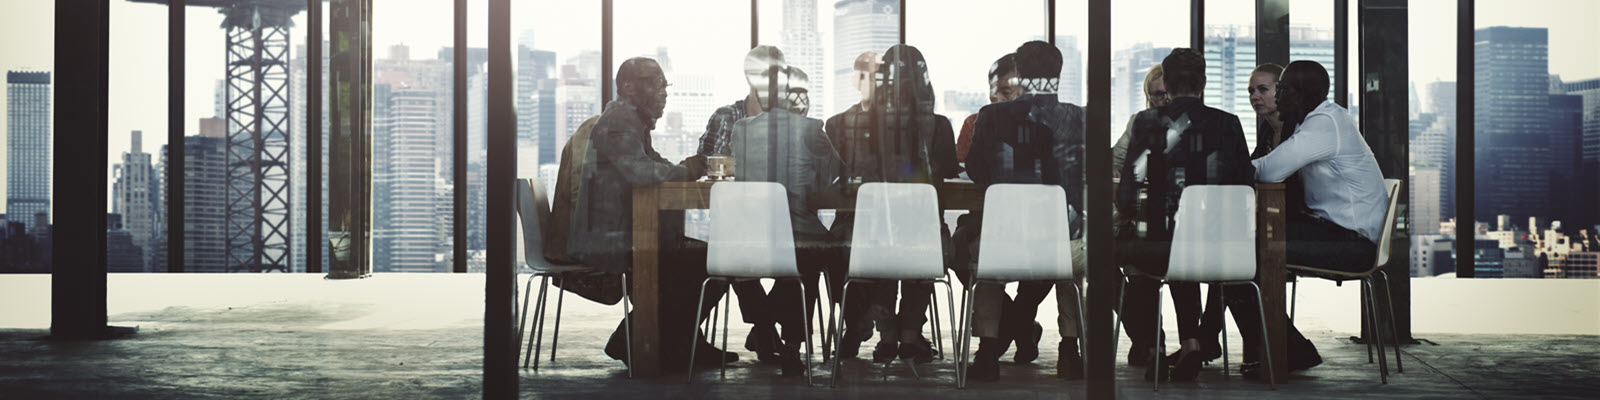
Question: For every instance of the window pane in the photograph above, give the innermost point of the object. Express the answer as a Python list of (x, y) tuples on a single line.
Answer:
[(27, 31), (704, 62), (206, 109), (1432, 172), (137, 117), (959, 58), (300, 129), (1533, 83), (557, 65), (412, 97), (1230, 51), (1142, 33)]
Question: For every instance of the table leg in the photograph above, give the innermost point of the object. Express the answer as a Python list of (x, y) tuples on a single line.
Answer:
[(646, 290), (1271, 260)]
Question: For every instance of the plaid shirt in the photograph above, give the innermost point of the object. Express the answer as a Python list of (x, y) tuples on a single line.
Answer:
[(720, 127)]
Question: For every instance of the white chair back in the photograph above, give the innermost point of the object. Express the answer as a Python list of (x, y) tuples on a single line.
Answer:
[(1215, 235), (1026, 234), (897, 232), (533, 209), (1393, 186), (750, 232)]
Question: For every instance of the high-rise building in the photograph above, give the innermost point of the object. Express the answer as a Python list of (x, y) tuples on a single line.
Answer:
[(1230, 52), (958, 105), (1512, 146), (204, 208), (802, 48), (536, 102), (406, 236), (1071, 90), (1587, 188), (122, 255), (135, 196), (1128, 68), (579, 97), (1424, 200), (1565, 158), (859, 26), (28, 146), (299, 158)]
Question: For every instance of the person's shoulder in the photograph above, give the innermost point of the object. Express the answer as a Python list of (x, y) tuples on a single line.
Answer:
[(1005, 107)]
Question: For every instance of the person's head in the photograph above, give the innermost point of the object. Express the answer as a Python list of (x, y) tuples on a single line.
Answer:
[(1303, 86), (799, 94), (1184, 72), (1000, 74), (1155, 90), (1264, 90), (905, 80), (1039, 67), (763, 67), (640, 82), (866, 67)]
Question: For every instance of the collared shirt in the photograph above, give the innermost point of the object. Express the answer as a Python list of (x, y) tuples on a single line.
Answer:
[(720, 127), (1342, 181)]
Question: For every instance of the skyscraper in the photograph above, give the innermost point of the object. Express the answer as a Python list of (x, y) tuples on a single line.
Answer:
[(1566, 148), (1128, 68), (206, 176), (1512, 146), (135, 196), (27, 146), (859, 26), (802, 47), (1588, 176), (536, 101), (407, 237), (1071, 90), (1424, 200), (1230, 52), (122, 255)]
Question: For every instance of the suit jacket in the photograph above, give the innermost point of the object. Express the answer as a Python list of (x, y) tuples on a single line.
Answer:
[(1209, 149), (780, 146), (619, 158)]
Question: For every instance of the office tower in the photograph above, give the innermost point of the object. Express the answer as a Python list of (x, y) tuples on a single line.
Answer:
[(802, 47), (407, 236), (135, 196), (859, 26), (536, 102), (299, 158), (579, 97), (1588, 175), (1230, 52), (28, 146), (1512, 147), (1071, 90), (1566, 149), (122, 255), (1424, 200), (205, 180)]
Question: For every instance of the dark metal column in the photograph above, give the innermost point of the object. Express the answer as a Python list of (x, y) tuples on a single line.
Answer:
[(1341, 52), (499, 343), (1102, 270), (1050, 21), (1197, 25), (459, 133), (175, 148), (78, 276), (313, 137), (902, 21), (755, 24), (1272, 32), (350, 145), (608, 89), (1385, 121), (1466, 204)]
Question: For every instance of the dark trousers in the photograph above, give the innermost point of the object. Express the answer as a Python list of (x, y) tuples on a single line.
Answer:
[(682, 271), (1017, 314), (1150, 257), (1312, 242)]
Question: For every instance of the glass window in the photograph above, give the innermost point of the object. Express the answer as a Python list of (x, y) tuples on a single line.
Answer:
[(1142, 34), (703, 61), (1230, 51), (1534, 75), (960, 43), (412, 106), (27, 32), (137, 119)]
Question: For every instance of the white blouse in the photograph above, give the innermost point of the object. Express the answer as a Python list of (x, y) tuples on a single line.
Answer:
[(1342, 180)]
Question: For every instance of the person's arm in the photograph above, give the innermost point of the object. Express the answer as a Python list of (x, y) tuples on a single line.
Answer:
[(830, 169), (964, 140), (630, 156), (978, 167), (717, 129), (1316, 140), (1233, 157)]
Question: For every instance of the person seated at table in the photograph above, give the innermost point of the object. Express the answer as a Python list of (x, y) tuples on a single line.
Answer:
[(899, 140), (1000, 89), (1344, 191), (1138, 305), (1182, 143), (853, 122), (753, 304), (1033, 139), (782, 145), (620, 157)]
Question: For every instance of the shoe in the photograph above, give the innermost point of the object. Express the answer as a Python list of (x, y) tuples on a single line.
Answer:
[(1186, 365), (1139, 355), (1250, 370), (789, 358), (763, 341), (1028, 345), (850, 344), (1305, 358), (1154, 363), (1069, 366), (709, 355), (885, 352), (919, 351), (984, 369)]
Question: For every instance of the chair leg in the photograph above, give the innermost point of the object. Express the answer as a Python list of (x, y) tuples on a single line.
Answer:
[(726, 300), (803, 306), (933, 310), (949, 304), (1223, 299), (555, 335), (1161, 339), (826, 325), (1364, 319), (1083, 327), (838, 343), (538, 333), (1266, 340), (1394, 328), (627, 322), (964, 357), (694, 333), (522, 316), (1376, 331), (1294, 296), (1116, 320)]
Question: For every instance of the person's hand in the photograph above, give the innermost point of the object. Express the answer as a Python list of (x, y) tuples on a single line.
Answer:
[(696, 165)]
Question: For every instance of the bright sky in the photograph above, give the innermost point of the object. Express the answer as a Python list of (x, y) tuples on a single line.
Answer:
[(959, 38)]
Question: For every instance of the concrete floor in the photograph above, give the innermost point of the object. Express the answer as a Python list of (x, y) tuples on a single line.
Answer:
[(420, 336)]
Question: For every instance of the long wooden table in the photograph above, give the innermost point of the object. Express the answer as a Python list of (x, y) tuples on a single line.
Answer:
[(648, 202)]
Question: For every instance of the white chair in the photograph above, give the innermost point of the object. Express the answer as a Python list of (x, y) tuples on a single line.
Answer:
[(1213, 242), (1027, 236), (751, 239), (1369, 312), (534, 211), (896, 238)]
